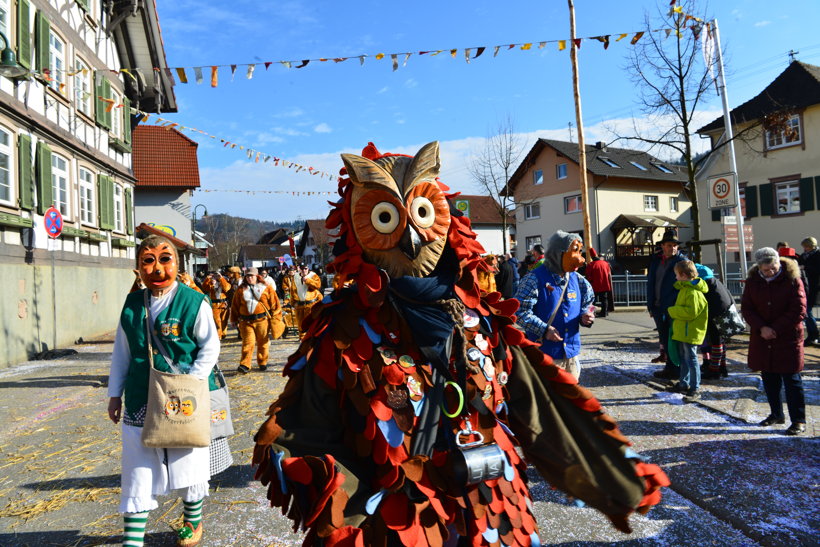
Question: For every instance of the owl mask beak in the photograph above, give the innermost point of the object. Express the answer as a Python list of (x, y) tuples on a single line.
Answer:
[(410, 243)]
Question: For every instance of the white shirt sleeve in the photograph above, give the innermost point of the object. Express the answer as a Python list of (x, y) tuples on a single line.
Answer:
[(208, 341), (120, 361)]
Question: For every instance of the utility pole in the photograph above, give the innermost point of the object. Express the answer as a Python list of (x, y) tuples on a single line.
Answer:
[(582, 155)]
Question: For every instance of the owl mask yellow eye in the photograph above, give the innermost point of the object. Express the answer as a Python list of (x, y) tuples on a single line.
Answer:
[(422, 212), (385, 217)]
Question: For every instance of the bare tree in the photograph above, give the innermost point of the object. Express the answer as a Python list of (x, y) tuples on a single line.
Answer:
[(494, 166)]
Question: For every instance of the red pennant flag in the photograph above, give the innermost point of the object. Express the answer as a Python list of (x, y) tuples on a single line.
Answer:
[(577, 43), (267, 65)]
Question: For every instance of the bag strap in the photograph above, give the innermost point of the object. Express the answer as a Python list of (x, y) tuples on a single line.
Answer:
[(560, 301), (151, 334)]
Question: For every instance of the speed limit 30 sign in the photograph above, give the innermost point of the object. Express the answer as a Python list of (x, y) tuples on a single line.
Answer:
[(722, 190)]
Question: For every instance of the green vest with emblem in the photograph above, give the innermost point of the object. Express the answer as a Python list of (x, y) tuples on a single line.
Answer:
[(174, 326)]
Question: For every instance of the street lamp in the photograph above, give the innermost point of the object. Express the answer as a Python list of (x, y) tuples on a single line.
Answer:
[(8, 61), (193, 224)]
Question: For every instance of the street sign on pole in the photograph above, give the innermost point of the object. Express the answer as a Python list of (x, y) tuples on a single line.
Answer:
[(722, 190), (54, 222), (732, 241)]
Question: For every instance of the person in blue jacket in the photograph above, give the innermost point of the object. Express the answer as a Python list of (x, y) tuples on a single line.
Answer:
[(556, 300), (661, 294)]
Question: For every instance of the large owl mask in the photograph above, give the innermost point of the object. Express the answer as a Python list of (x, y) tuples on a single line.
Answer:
[(399, 214)]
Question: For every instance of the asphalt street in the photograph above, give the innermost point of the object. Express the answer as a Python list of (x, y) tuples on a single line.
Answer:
[(733, 482)]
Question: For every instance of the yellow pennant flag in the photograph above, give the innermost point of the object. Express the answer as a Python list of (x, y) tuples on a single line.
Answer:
[(526, 47), (380, 56), (621, 37), (183, 78), (562, 45)]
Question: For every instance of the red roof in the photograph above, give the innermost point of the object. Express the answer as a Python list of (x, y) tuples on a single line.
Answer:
[(164, 158), (483, 210)]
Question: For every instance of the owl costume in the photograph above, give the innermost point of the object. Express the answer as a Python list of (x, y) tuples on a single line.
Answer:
[(412, 389)]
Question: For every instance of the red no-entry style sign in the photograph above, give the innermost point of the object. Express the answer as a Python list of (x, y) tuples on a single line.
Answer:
[(54, 222)]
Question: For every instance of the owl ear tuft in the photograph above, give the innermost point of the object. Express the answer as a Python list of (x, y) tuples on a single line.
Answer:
[(363, 171), (426, 164)]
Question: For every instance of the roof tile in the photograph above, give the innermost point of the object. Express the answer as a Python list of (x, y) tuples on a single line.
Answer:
[(164, 158)]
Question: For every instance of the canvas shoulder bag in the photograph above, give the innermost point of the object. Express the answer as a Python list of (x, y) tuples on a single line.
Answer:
[(178, 412), (221, 423)]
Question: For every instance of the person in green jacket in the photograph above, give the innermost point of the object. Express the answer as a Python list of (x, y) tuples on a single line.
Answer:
[(689, 322)]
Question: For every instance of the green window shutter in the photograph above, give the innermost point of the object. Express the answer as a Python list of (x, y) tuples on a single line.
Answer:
[(807, 194), (126, 120), (817, 190), (42, 31), (23, 33), (102, 207), (111, 217), (766, 200), (99, 104), (129, 212), (25, 170), (44, 189), (716, 215), (107, 110), (751, 201), (83, 5)]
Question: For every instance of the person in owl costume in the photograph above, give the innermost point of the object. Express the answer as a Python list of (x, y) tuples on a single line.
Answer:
[(412, 389)]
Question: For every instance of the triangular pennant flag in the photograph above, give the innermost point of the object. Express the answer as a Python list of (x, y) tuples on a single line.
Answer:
[(604, 40), (406, 58), (577, 42), (339, 59), (198, 74), (562, 45), (525, 47), (638, 36), (361, 59), (621, 37), (233, 71), (395, 59), (542, 45), (667, 31), (436, 52), (170, 76), (183, 78), (214, 76), (304, 63), (266, 160), (478, 52), (251, 68), (379, 56), (467, 55), (453, 53)]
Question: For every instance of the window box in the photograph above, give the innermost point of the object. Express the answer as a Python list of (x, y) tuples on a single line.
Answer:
[(94, 236), (122, 242), (119, 146), (7, 219), (71, 231)]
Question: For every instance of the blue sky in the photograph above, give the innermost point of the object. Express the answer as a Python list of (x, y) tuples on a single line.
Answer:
[(311, 115)]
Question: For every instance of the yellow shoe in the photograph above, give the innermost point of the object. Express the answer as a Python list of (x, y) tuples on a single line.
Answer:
[(187, 536)]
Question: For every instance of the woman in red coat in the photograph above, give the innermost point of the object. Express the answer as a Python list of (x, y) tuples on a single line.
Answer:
[(599, 275), (774, 304)]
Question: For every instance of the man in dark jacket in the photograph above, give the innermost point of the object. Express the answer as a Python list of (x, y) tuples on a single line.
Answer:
[(810, 260), (505, 278), (661, 294), (719, 300)]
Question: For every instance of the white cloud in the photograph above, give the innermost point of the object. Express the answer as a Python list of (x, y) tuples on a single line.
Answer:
[(411, 82), (385, 89), (763, 23), (322, 128), (293, 112)]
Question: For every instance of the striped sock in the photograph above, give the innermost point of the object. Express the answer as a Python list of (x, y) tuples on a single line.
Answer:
[(134, 529), (718, 357), (193, 512)]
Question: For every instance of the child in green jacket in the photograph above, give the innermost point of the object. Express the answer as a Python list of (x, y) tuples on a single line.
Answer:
[(689, 321)]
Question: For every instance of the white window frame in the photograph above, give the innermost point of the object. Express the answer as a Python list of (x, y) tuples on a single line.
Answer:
[(7, 150), (572, 204), (116, 115), (87, 189), (83, 92), (61, 184), (119, 199), (532, 211), (780, 139), (674, 204), (650, 203), (5, 19), (789, 192), (561, 171), (538, 177), (57, 63), (532, 241)]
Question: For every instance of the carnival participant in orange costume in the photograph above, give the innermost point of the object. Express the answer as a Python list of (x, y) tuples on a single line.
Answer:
[(186, 279), (304, 287), (485, 274), (254, 303), (217, 287)]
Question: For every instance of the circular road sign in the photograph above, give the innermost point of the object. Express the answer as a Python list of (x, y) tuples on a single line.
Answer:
[(54, 222), (721, 188)]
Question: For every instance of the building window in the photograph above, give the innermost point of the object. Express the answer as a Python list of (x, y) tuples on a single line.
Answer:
[(532, 210), (5, 18), (609, 162), (538, 176), (787, 195), (59, 183), (789, 135), (82, 87), (674, 204), (572, 204), (662, 168), (561, 171), (532, 241), (116, 116), (118, 208), (650, 204), (638, 165), (6, 177), (86, 196), (56, 63)]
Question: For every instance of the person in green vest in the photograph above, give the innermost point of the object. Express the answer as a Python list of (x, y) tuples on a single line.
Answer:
[(183, 323)]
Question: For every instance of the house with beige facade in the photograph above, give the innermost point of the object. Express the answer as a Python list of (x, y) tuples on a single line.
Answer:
[(65, 141), (777, 151), (633, 198)]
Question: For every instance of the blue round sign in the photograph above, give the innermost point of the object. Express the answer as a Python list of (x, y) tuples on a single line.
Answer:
[(54, 222)]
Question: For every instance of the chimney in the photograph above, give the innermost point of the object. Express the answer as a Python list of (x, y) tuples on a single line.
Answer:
[(601, 145)]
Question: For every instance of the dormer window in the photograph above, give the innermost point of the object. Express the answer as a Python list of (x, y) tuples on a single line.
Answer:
[(638, 165), (609, 162), (662, 168)]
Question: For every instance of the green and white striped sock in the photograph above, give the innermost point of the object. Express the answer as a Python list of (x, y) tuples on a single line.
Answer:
[(193, 512), (134, 529)]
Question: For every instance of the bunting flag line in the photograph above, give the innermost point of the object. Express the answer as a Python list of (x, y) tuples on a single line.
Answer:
[(252, 154), (291, 192)]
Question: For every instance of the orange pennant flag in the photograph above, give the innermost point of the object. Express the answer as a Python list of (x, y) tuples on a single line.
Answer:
[(214, 76), (526, 47), (638, 36)]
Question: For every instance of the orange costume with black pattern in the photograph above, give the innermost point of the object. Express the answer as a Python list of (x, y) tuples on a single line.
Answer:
[(217, 289), (412, 391)]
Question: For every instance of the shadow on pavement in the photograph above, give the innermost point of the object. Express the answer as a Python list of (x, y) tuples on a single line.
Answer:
[(236, 476), (68, 537), (76, 380), (103, 481)]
